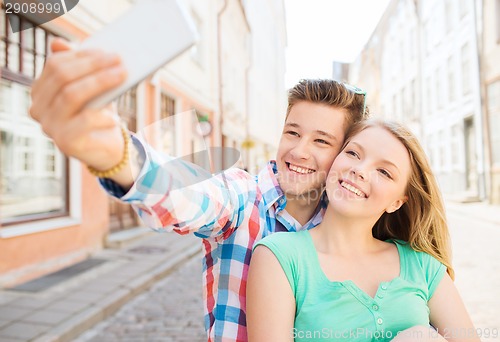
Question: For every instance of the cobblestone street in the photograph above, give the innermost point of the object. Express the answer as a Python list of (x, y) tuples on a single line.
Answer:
[(171, 311)]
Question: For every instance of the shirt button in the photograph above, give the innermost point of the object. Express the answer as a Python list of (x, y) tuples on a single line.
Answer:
[(380, 295), (380, 320), (375, 307), (384, 287)]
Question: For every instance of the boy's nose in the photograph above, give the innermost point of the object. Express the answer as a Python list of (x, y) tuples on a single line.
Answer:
[(300, 151)]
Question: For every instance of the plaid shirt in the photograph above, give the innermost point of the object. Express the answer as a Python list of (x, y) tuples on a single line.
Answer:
[(229, 211)]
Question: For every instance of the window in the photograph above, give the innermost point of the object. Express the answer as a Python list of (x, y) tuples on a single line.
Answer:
[(167, 127), (412, 101), (428, 95), (25, 150), (439, 88), (431, 148), (23, 53), (449, 15), (395, 108), (127, 107), (3, 26), (455, 145), (404, 103), (466, 66), (451, 79), (463, 7), (425, 37), (497, 20), (493, 93), (50, 158), (167, 106), (33, 173), (442, 150), (197, 50), (198, 145), (437, 28), (411, 43)]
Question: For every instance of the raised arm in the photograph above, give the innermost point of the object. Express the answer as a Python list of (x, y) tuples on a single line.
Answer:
[(154, 186), (171, 194), (270, 301)]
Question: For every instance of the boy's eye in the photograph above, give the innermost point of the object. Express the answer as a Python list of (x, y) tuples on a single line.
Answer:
[(321, 141), (295, 134)]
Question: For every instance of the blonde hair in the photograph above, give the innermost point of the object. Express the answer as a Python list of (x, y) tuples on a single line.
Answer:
[(330, 93), (421, 220)]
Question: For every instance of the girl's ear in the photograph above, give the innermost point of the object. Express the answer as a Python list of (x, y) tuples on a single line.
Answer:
[(396, 205)]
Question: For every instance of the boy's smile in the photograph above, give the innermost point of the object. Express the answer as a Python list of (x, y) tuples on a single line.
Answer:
[(311, 139)]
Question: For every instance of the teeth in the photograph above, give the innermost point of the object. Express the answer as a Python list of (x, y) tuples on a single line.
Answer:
[(299, 169), (352, 189)]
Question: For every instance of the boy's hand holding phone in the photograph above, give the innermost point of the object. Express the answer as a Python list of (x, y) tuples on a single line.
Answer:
[(71, 97), (70, 79)]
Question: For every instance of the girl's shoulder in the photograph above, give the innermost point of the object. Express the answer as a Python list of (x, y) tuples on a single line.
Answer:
[(285, 240), (411, 253)]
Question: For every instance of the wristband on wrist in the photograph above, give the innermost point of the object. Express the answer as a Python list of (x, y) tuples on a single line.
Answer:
[(118, 167)]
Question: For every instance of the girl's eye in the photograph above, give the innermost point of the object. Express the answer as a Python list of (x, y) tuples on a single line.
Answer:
[(385, 173), (352, 153), (295, 134)]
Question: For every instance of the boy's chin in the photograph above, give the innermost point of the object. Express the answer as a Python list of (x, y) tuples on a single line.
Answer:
[(306, 193)]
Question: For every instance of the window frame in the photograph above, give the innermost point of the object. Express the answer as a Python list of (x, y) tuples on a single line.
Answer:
[(70, 211)]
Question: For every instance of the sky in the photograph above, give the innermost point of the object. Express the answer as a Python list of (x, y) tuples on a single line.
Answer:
[(322, 31)]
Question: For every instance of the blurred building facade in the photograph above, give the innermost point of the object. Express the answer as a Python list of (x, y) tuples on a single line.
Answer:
[(490, 68), (429, 64), (53, 213), (266, 112)]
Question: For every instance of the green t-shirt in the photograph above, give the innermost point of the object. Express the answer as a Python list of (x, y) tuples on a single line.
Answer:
[(333, 310)]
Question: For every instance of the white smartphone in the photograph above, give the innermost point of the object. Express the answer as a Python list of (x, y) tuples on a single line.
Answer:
[(146, 37)]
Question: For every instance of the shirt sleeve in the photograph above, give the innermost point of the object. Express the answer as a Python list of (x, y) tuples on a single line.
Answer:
[(435, 271), (171, 194), (279, 244)]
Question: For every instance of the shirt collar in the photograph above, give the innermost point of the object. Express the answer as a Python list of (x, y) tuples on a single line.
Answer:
[(272, 193), (268, 183)]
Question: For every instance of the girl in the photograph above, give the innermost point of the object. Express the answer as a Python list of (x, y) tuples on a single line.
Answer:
[(378, 266)]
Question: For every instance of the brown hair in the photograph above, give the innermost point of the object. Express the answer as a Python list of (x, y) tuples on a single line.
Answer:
[(330, 93), (421, 220)]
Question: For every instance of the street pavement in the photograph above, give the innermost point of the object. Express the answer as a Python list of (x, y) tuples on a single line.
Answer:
[(65, 310), (171, 311), (476, 258)]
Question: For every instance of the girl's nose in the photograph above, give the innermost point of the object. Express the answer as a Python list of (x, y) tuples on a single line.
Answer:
[(358, 173)]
